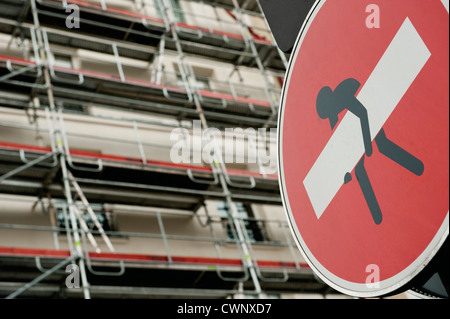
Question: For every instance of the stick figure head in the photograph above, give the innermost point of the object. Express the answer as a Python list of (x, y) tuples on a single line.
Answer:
[(325, 106), (330, 103)]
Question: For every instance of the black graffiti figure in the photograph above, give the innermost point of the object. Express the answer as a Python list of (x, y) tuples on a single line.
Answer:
[(329, 104)]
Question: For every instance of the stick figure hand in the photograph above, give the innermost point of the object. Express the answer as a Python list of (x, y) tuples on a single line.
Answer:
[(369, 149), (347, 178)]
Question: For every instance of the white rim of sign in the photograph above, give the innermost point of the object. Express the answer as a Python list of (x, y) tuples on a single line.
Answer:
[(355, 289)]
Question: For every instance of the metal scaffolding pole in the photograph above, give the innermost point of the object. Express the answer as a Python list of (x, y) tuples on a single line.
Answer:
[(247, 261), (249, 41), (39, 278), (57, 135)]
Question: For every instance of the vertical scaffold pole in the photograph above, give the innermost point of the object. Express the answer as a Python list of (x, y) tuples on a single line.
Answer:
[(247, 261), (78, 253)]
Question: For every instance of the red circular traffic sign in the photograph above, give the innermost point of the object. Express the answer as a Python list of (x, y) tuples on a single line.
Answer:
[(364, 141)]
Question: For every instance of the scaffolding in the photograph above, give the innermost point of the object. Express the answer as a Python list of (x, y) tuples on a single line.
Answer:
[(39, 78)]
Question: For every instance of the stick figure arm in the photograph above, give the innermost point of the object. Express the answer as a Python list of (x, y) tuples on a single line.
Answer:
[(361, 112)]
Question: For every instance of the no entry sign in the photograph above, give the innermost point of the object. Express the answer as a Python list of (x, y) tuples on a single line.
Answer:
[(364, 141)]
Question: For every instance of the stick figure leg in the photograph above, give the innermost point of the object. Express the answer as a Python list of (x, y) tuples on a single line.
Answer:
[(398, 155), (367, 190)]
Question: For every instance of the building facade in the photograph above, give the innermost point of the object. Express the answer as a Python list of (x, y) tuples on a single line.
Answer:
[(117, 119)]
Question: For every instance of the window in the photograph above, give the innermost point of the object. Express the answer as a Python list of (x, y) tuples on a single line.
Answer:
[(64, 61), (202, 83), (255, 229), (105, 219), (202, 77), (178, 12)]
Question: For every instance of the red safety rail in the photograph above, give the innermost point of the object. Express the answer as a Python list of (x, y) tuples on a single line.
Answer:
[(256, 37), (114, 78), (31, 148), (132, 160), (222, 33), (5, 58), (114, 10), (224, 96), (208, 261)]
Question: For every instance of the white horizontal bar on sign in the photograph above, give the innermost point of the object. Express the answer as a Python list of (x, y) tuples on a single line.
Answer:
[(390, 80)]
